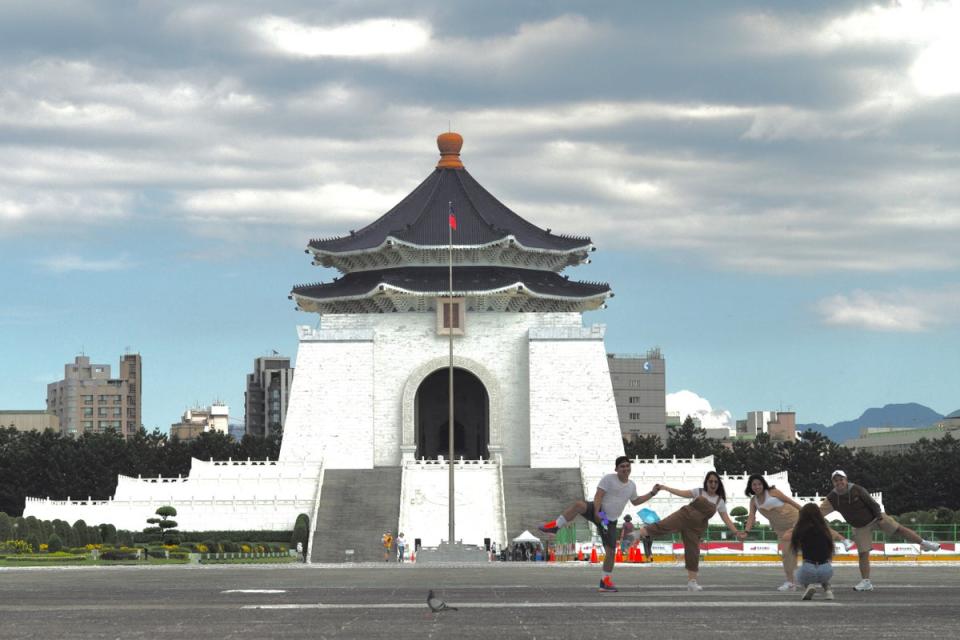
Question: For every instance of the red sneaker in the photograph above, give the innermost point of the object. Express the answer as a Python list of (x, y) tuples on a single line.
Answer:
[(606, 585), (549, 527)]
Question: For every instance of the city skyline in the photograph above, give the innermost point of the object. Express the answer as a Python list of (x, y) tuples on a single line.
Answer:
[(771, 187)]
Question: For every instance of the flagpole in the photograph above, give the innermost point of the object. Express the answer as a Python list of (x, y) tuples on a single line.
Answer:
[(450, 219)]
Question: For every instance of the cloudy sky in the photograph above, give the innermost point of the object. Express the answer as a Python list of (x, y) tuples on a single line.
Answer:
[(774, 188)]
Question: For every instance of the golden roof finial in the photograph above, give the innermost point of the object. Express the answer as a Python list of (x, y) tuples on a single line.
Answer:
[(449, 144)]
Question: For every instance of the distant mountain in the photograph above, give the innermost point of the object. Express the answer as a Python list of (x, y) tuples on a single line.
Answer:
[(955, 414), (910, 414)]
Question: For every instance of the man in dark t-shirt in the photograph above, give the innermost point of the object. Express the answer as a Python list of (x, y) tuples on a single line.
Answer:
[(862, 512)]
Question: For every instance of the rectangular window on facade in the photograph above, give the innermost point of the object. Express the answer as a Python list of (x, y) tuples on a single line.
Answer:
[(634, 399), (117, 412), (102, 412), (87, 399), (131, 400), (87, 412), (634, 416), (450, 316), (132, 413)]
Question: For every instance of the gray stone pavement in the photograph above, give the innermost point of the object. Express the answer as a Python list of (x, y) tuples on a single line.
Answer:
[(502, 600)]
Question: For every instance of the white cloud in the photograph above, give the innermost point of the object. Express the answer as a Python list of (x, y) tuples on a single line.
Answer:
[(333, 203), (69, 263), (936, 71), (908, 311), (687, 403), (516, 52), (28, 208), (366, 38), (905, 22), (926, 33)]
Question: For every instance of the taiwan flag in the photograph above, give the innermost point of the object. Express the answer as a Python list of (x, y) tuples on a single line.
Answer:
[(452, 218)]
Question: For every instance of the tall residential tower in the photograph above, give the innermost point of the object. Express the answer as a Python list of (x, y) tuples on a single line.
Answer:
[(267, 394), (89, 400)]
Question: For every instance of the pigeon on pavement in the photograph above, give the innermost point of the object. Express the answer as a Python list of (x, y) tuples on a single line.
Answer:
[(436, 604)]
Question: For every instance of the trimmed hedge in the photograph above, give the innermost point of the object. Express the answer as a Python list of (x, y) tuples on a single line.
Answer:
[(232, 536), (46, 557), (123, 553)]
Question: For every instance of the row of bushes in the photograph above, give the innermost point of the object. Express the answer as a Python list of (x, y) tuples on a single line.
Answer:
[(231, 536), (19, 547), (57, 534)]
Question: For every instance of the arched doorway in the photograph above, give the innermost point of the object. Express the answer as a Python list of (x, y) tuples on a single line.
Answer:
[(471, 416)]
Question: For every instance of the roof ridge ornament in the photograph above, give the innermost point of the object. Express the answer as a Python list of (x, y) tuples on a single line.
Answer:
[(449, 144)]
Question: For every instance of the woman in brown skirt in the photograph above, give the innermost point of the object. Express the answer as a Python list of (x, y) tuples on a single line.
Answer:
[(691, 521), (782, 512)]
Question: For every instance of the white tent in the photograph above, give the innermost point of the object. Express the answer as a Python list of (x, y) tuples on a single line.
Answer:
[(526, 536)]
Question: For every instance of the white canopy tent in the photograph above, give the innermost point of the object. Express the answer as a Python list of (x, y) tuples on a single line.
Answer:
[(526, 536)]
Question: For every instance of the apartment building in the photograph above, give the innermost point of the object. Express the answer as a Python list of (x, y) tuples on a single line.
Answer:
[(195, 421), (90, 400), (639, 388), (29, 420), (267, 395)]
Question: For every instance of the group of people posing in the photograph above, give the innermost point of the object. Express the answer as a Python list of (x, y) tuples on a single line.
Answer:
[(800, 529)]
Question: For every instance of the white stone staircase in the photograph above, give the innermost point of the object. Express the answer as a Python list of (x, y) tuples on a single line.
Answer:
[(479, 511)]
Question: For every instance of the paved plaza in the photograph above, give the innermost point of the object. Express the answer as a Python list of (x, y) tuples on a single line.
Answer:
[(503, 600)]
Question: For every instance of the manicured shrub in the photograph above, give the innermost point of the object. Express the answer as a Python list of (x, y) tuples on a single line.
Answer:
[(108, 534), (54, 543), (83, 536), (119, 554), (301, 531)]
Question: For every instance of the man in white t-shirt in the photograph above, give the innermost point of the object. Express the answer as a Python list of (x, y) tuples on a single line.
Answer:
[(614, 491)]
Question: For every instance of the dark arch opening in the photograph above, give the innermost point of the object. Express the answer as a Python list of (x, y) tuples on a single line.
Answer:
[(471, 416)]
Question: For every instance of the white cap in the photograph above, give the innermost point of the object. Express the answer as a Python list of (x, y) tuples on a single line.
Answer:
[(838, 472)]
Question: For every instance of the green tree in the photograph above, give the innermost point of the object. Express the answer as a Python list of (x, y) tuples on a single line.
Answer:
[(740, 515), (64, 531), (689, 441), (80, 531), (301, 531), (643, 446), (163, 527), (108, 533), (810, 461), (54, 543), (6, 527)]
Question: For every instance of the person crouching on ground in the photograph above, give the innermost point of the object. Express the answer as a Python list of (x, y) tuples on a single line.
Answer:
[(812, 537), (782, 512)]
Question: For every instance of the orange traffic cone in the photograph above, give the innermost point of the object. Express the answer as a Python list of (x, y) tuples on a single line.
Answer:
[(580, 554), (593, 556), (618, 556), (632, 554), (552, 556), (413, 557)]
